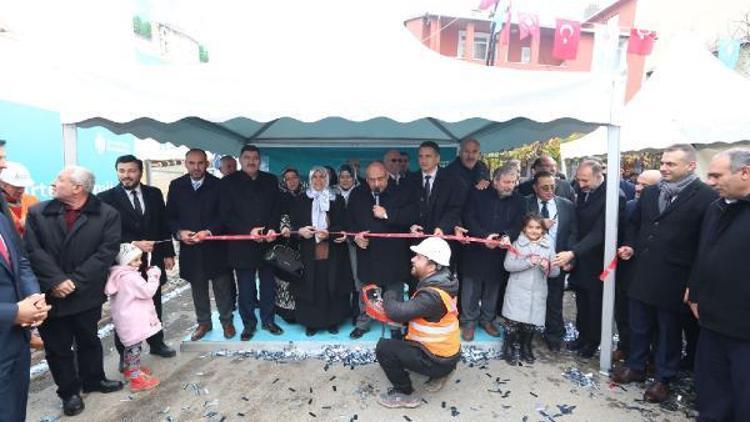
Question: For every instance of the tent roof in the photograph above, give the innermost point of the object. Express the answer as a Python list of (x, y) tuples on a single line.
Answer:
[(690, 98), (327, 73)]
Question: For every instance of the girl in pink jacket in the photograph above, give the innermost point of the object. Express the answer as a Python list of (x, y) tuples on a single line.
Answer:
[(133, 312)]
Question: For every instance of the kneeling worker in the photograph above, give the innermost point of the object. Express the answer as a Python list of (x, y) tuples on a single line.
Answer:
[(432, 346)]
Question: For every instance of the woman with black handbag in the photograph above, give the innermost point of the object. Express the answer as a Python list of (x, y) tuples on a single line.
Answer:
[(322, 298), (290, 188)]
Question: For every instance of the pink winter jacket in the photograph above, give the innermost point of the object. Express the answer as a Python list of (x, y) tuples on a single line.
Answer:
[(131, 303)]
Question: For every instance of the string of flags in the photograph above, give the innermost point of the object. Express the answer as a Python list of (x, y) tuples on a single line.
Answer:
[(567, 32)]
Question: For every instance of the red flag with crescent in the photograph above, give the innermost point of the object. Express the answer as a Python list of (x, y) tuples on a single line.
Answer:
[(567, 35), (486, 4), (641, 41), (528, 24)]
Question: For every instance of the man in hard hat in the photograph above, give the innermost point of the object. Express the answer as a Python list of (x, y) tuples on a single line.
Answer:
[(14, 180), (432, 346)]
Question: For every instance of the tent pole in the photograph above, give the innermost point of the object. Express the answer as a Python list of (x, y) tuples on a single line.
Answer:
[(610, 245), (70, 144)]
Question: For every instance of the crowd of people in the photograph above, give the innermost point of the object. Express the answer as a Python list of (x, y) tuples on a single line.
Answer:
[(513, 247)]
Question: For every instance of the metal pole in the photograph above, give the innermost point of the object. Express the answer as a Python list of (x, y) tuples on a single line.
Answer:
[(610, 244), (70, 144)]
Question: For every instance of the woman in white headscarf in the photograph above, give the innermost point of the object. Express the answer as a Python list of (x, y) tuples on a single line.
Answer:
[(323, 298)]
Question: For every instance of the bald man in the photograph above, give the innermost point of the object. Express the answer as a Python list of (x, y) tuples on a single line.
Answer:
[(647, 178)]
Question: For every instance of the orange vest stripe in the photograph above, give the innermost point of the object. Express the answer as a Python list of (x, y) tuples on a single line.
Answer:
[(441, 338)]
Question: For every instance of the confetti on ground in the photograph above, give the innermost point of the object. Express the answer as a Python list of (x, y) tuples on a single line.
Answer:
[(579, 378)]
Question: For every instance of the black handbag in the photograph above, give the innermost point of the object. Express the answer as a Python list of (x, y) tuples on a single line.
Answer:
[(286, 262)]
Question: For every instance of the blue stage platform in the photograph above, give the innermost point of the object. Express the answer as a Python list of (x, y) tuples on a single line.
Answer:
[(295, 334)]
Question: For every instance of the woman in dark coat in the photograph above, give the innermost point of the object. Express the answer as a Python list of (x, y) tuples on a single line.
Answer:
[(322, 299), (290, 188)]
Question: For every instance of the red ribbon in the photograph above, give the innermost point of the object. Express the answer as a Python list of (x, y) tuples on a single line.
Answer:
[(608, 269)]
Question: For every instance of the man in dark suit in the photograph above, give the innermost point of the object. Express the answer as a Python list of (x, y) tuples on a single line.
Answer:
[(667, 221), (560, 219), (719, 293), (21, 306), (144, 223), (379, 206), (439, 192), (546, 163), (250, 203), (72, 242), (588, 253), (193, 214), (494, 213)]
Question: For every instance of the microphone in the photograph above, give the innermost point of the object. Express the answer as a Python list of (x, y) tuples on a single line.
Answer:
[(377, 198)]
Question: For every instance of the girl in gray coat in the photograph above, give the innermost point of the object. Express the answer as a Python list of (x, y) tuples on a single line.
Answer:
[(525, 303)]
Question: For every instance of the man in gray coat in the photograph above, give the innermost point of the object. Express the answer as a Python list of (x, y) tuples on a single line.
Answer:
[(560, 219)]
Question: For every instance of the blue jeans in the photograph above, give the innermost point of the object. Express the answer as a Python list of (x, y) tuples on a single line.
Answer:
[(248, 295)]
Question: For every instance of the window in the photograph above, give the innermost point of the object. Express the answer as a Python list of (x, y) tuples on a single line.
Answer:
[(481, 45), (525, 54)]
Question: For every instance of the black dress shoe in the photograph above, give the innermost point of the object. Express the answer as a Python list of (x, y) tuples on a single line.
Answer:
[(357, 333), (575, 345), (588, 351), (104, 386), (310, 332), (247, 333), (272, 328), (333, 329), (164, 351), (73, 405)]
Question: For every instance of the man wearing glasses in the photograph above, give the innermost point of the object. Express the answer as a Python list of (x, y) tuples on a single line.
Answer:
[(392, 161), (560, 219)]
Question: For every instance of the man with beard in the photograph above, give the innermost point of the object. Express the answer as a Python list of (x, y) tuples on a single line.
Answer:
[(250, 203), (666, 221), (192, 215), (588, 253), (492, 214), (144, 222), (378, 206), (469, 168), (432, 346)]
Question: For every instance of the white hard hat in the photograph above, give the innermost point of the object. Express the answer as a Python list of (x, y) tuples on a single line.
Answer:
[(435, 249), (17, 175)]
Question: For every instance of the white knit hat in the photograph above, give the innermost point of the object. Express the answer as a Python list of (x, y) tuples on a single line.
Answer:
[(128, 252)]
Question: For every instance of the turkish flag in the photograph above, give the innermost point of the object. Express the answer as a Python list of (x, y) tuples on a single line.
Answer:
[(486, 4), (567, 35), (528, 24), (641, 41)]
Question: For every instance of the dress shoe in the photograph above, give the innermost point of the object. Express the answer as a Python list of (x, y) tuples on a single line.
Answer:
[(201, 331), (625, 375), (333, 329), (588, 351), (229, 330), (491, 329), (310, 332), (656, 393), (576, 345), (619, 355), (272, 328), (247, 333), (104, 386), (553, 345), (467, 332), (163, 350), (73, 405), (357, 333)]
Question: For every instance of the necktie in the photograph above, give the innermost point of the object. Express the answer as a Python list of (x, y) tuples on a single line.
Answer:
[(4, 250), (545, 210), (427, 187), (197, 185), (136, 203)]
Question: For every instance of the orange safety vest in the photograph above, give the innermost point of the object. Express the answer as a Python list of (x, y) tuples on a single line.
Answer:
[(441, 338), (20, 211)]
